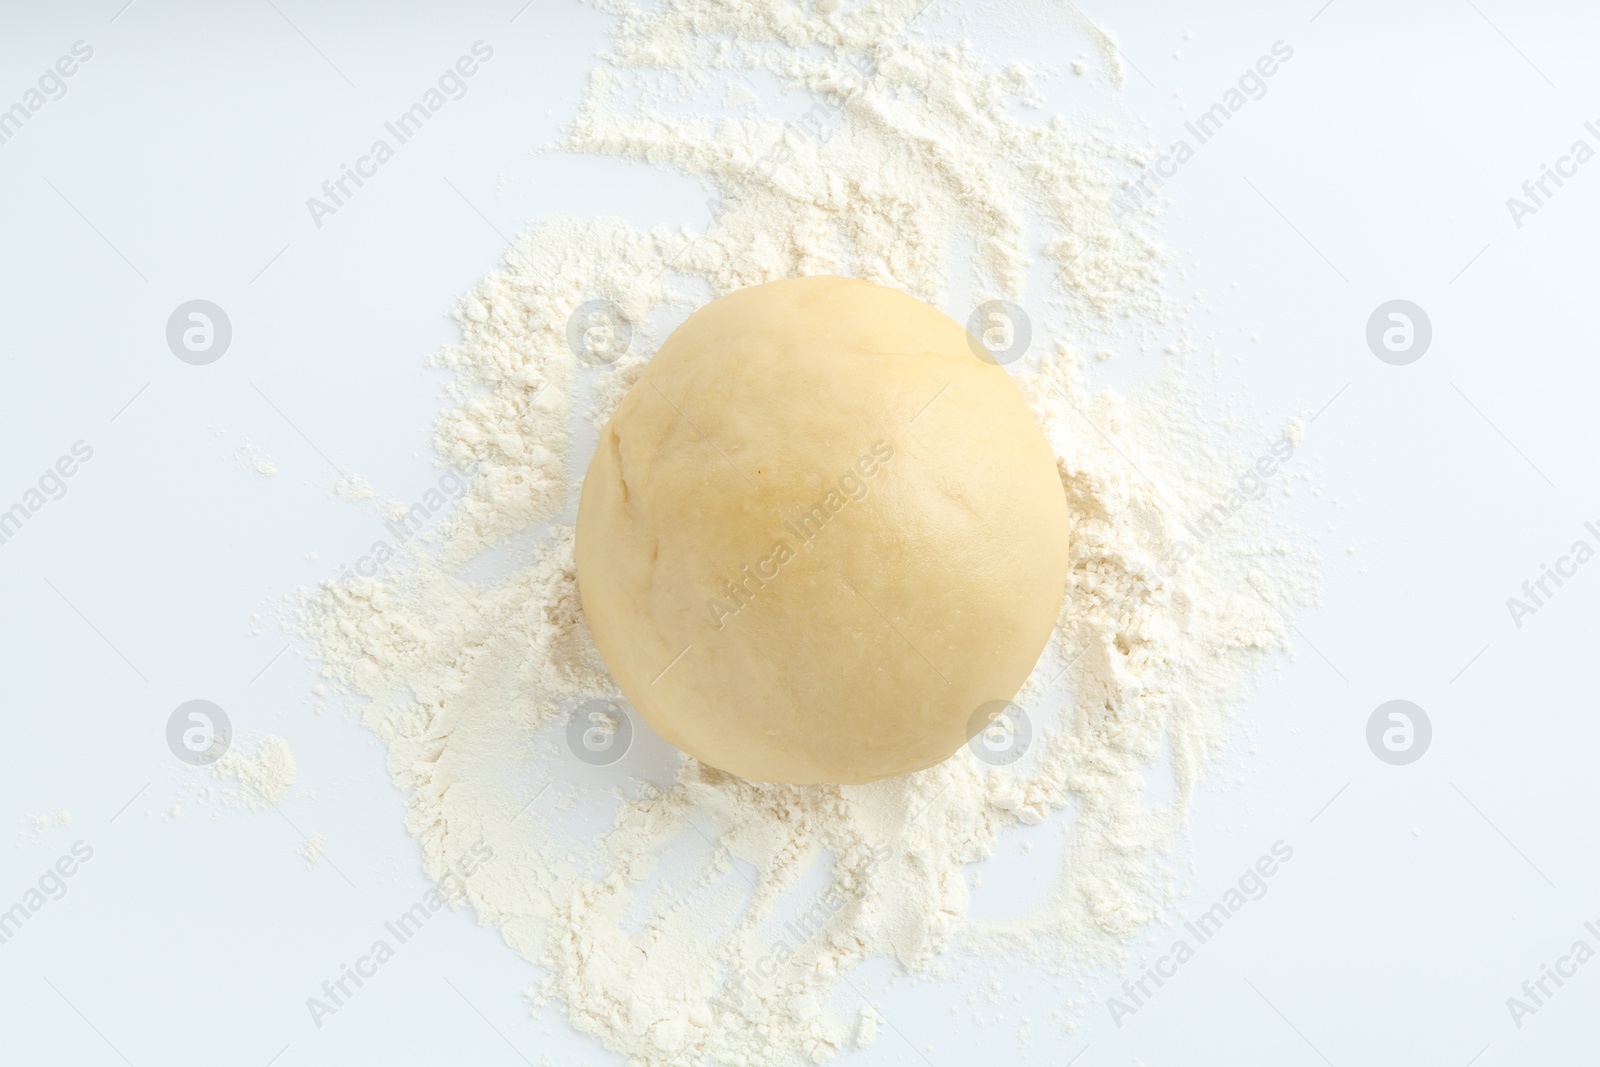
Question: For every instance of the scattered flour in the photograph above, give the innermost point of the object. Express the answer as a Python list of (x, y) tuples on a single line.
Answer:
[(311, 849), (740, 96), (254, 459), (352, 486), (1110, 54), (684, 916), (264, 777), (48, 820)]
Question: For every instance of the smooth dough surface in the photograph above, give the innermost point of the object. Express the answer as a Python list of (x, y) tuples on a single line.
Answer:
[(819, 533)]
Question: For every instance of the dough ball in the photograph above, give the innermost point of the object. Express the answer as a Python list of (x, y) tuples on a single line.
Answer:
[(819, 534)]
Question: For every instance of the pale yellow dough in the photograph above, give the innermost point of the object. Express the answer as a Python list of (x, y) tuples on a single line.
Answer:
[(819, 534)]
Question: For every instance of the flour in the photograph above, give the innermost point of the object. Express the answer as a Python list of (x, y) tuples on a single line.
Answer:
[(47, 821), (253, 459), (264, 775), (1110, 54), (311, 849), (352, 486), (691, 917)]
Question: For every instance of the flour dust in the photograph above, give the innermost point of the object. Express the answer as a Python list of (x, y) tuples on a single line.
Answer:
[(683, 916)]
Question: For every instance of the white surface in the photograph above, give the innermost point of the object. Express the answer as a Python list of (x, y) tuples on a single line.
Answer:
[(191, 141)]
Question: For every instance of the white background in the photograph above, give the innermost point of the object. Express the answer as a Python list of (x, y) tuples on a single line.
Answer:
[(1377, 166)]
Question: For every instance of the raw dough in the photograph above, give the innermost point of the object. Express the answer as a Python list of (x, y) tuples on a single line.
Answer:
[(819, 534)]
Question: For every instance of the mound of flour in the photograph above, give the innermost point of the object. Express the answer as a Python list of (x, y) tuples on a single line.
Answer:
[(684, 916)]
